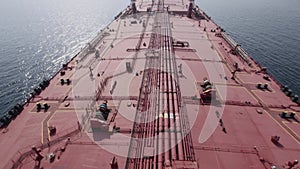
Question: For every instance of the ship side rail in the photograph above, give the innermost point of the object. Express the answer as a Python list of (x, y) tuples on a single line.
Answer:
[(91, 45), (23, 153), (236, 47), (198, 12), (198, 15), (244, 54)]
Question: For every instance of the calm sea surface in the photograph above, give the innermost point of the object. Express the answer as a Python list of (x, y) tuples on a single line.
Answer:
[(38, 36)]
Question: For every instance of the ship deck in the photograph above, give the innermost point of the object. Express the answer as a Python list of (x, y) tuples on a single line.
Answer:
[(149, 67)]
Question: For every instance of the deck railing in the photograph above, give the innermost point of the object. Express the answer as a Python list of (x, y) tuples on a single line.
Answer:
[(91, 45), (236, 47), (17, 160)]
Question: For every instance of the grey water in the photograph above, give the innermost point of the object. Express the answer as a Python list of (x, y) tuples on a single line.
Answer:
[(38, 36)]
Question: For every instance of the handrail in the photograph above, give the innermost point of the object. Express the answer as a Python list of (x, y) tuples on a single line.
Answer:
[(236, 47), (91, 44), (25, 152)]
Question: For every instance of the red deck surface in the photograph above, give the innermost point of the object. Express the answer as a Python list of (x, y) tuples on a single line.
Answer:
[(157, 118)]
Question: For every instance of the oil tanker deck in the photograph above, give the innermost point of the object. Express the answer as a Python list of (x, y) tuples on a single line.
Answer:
[(161, 87)]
